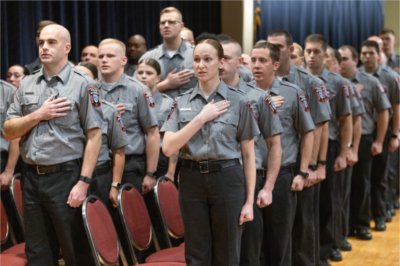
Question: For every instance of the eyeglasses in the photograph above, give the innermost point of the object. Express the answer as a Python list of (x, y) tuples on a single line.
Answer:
[(170, 22)]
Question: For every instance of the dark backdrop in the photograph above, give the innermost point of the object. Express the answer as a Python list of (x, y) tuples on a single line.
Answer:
[(340, 21), (91, 21)]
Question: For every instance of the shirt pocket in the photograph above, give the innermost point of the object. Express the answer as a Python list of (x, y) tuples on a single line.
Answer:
[(29, 103), (224, 127), (68, 120), (185, 117), (130, 116)]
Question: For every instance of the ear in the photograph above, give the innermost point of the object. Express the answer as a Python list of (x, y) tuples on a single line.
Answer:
[(276, 64), (291, 49), (67, 48), (124, 60)]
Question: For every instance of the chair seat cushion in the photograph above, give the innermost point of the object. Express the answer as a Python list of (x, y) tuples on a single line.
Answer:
[(175, 254), (13, 260), (18, 249)]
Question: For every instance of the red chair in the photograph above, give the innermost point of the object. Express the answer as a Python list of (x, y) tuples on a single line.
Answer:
[(138, 229), (167, 199), (103, 238), (15, 255), (16, 193)]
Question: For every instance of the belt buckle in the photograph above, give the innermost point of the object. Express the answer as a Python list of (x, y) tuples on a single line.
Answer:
[(203, 167), (38, 170)]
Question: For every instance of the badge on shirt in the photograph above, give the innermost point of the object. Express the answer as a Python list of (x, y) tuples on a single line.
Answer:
[(268, 100), (250, 107), (94, 96), (346, 89), (149, 99), (303, 102), (321, 93), (381, 88), (171, 111), (119, 122)]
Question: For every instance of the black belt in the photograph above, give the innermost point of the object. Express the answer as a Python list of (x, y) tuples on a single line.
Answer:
[(289, 169), (135, 156), (206, 167), (102, 168), (49, 169), (261, 172)]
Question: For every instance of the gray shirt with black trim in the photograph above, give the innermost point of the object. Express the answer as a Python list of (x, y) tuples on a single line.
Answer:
[(60, 139), (6, 98), (139, 113), (220, 138)]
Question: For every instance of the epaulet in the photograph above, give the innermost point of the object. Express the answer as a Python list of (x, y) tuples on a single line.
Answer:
[(35, 71), (289, 84), (189, 91), (303, 71)]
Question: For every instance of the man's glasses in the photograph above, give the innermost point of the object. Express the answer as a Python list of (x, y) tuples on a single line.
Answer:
[(170, 22)]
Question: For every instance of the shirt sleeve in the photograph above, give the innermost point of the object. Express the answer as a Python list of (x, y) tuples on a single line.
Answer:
[(171, 123), (146, 109), (247, 126), (303, 119), (380, 99), (343, 105), (268, 122), (90, 112), (117, 137), (318, 98)]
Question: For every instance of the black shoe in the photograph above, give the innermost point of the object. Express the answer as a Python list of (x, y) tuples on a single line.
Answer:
[(388, 216), (380, 225), (362, 233), (345, 245), (335, 255)]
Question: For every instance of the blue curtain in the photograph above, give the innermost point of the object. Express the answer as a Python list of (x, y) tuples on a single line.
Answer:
[(91, 21), (341, 22)]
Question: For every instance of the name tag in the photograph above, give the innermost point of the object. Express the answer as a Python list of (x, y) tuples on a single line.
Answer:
[(185, 109)]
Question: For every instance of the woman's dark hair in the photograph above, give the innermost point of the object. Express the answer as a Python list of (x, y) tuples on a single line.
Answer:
[(216, 44), (91, 67), (153, 63)]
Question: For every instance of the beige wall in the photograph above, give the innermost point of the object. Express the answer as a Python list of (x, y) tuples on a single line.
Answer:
[(232, 19), (392, 18)]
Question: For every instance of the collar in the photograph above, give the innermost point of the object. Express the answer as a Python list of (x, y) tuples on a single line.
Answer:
[(182, 48), (63, 75), (275, 87), (222, 90)]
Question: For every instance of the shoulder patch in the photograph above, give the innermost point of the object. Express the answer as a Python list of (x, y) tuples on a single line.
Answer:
[(149, 99), (171, 110), (381, 88), (321, 93), (347, 90), (118, 117), (250, 107), (94, 95), (303, 102), (270, 103)]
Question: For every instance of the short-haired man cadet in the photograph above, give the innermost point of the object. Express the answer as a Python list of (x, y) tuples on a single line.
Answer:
[(297, 138), (389, 80), (375, 118), (136, 107), (174, 55), (267, 146), (57, 113), (389, 41), (340, 135), (307, 219), (90, 53)]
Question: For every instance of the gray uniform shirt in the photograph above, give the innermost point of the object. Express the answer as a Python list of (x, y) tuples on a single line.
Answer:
[(60, 139), (357, 104), (164, 104), (6, 98), (113, 134), (182, 59), (266, 115), (315, 92), (339, 100), (394, 61), (374, 99), (295, 118), (390, 82), (140, 112), (218, 139)]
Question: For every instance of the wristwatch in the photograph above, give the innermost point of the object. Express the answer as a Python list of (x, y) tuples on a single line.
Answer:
[(313, 167), (117, 185), (303, 174), (151, 174)]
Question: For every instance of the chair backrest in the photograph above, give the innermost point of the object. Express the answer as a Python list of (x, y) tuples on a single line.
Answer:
[(16, 193), (167, 198), (4, 234), (101, 232), (135, 220)]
